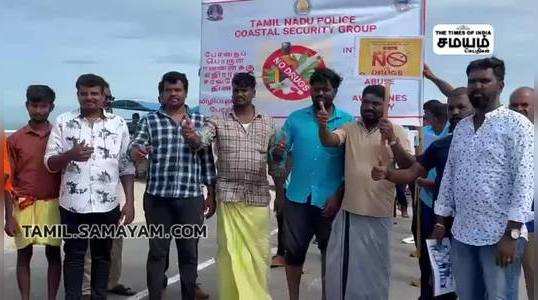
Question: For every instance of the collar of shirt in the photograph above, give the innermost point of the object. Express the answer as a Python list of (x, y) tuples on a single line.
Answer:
[(188, 111), (41, 133), (106, 115), (337, 114), (361, 124), (257, 115)]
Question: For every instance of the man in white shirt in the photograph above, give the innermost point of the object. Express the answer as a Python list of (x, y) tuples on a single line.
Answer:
[(488, 188), (89, 147)]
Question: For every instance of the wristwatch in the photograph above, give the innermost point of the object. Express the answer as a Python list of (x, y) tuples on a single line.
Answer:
[(513, 233)]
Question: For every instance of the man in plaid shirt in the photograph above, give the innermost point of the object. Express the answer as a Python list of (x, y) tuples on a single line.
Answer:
[(243, 138), (176, 173)]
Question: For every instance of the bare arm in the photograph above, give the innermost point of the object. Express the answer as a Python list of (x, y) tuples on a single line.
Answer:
[(403, 176), (328, 139), (127, 182), (442, 85), (403, 158)]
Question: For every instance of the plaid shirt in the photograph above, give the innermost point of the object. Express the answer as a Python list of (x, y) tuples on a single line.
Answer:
[(175, 170), (243, 156)]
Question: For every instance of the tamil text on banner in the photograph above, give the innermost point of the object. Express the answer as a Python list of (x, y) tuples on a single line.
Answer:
[(282, 42)]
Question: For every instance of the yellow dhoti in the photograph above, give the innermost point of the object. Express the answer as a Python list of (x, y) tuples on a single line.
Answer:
[(37, 214), (243, 251)]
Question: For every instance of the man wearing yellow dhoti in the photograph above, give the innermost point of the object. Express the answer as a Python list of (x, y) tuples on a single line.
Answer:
[(242, 140), (34, 192)]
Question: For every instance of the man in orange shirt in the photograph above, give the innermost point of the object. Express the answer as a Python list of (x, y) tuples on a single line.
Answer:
[(34, 191)]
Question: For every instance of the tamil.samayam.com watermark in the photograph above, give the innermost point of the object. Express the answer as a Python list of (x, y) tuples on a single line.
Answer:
[(131, 231)]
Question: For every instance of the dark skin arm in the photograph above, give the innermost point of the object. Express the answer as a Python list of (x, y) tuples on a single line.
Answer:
[(11, 224), (210, 204), (402, 157), (426, 183), (280, 182), (400, 176), (334, 204), (79, 152), (507, 246), (128, 211), (328, 139), (442, 85)]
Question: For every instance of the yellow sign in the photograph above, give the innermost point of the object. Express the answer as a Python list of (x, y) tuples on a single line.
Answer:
[(390, 57)]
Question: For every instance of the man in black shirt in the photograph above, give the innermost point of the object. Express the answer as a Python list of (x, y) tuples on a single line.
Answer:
[(435, 156)]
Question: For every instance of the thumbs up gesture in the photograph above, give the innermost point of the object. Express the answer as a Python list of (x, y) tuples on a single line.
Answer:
[(322, 115), (380, 171)]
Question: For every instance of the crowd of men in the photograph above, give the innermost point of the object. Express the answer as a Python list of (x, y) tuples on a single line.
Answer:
[(335, 179)]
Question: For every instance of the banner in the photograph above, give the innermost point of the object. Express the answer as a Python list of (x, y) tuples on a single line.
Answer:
[(282, 42), (390, 57)]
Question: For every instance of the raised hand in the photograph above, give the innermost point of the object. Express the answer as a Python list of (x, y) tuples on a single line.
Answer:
[(322, 115), (427, 72), (387, 130), (188, 130)]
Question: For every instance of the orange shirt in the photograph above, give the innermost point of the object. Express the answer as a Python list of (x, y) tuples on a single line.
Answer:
[(6, 166)]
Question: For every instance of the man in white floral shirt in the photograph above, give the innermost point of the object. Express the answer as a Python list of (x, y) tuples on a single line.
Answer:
[(488, 187), (89, 148)]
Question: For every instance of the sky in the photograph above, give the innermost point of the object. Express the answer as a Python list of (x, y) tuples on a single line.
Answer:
[(132, 43)]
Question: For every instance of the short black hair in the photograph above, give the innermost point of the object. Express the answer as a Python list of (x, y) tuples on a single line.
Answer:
[(325, 74), (244, 79), (439, 110), (428, 104), (488, 63), (172, 77), (91, 80), (374, 89), (38, 93), (458, 92)]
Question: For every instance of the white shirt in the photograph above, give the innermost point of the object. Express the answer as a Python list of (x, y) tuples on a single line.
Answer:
[(91, 186), (489, 177)]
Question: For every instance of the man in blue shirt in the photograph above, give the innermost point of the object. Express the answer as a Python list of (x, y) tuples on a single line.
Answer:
[(315, 189)]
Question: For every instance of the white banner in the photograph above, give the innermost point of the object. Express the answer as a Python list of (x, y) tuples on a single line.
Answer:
[(283, 41)]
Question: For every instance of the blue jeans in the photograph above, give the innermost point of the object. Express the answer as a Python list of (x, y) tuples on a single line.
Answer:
[(478, 276)]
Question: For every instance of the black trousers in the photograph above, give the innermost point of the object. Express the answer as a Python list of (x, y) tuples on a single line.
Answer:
[(75, 250), (170, 211)]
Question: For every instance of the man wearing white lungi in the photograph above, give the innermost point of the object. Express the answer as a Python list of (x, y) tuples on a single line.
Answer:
[(358, 254)]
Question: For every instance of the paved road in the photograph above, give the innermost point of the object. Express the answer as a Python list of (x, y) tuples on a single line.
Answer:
[(404, 267)]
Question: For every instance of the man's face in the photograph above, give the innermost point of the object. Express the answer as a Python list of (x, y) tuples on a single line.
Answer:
[(459, 107), (428, 118), (39, 111), (174, 94), (91, 98), (523, 102), (371, 108), (322, 92), (242, 96), (483, 88)]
